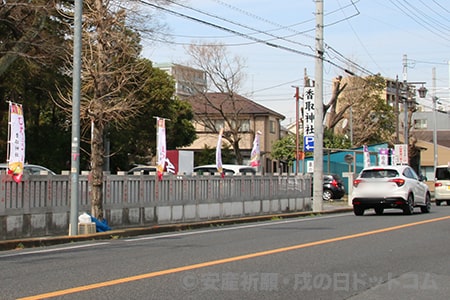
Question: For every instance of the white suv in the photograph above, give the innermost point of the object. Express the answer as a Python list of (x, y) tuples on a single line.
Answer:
[(442, 184), (382, 187), (227, 169)]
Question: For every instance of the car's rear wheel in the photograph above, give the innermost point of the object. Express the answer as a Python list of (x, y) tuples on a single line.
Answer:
[(408, 209), (427, 207), (379, 210), (438, 203), (358, 210), (448, 202), (327, 195)]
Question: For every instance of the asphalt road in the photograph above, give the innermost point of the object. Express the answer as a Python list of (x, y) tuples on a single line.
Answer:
[(338, 256)]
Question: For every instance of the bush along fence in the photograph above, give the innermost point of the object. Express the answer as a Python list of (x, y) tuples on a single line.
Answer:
[(40, 204)]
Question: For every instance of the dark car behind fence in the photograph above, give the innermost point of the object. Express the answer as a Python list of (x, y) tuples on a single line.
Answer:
[(40, 204)]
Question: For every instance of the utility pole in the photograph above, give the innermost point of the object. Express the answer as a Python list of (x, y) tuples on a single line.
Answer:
[(405, 100), (435, 148), (396, 111), (76, 91), (318, 112)]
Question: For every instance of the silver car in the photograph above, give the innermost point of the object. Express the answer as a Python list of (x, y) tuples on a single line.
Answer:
[(30, 169), (382, 187)]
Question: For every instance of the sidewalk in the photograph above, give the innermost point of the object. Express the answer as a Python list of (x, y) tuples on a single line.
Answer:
[(328, 208)]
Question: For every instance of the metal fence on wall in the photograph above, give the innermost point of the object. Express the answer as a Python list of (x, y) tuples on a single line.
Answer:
[(53, 191)]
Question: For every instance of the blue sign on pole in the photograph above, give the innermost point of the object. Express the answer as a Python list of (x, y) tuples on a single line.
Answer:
[(308, 143)]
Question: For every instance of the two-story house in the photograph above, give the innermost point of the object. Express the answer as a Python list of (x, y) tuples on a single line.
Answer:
[(251, 118)]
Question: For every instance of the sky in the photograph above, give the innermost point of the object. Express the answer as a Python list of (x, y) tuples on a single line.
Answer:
[(364, 36)]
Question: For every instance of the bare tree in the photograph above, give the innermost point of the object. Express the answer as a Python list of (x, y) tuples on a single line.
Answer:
[(335, 116), (112, 77), (330, 109), (224, 74)]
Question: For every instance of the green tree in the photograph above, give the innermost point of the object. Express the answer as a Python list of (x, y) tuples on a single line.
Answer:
[(335, 141), (284, 149), (32, 31), (136, 143), (32, 45), (208, 156)]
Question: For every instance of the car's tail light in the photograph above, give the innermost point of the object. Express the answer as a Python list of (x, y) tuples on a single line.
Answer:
[(334, 183), (356, 182), (437, 184), (398, 181)]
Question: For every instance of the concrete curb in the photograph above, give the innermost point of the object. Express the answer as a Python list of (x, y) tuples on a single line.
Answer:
[(152, 229)]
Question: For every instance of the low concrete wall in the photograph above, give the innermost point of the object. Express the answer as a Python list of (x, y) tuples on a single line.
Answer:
[(40, 205)]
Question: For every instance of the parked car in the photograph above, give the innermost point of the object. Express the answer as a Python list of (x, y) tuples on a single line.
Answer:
[(442, 184), (228, 169), (142, 169), (30, 169), (381, 187), (333, 187)]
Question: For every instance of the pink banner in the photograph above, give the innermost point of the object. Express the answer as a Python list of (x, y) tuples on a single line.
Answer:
[(219, 153), (255, 156), (16, 142), (161, 146)]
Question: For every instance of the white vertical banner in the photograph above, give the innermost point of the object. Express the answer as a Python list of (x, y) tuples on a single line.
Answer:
[(308, 111), (366, 154), (401, 154), (161, 146), (219, 153), (16, 141), (383, 157), (255, 155)]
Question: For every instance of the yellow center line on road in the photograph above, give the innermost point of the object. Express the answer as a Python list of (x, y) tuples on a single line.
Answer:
[(222, 261)]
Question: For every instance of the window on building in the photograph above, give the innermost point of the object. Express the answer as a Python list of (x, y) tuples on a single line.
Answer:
[(219, 124), (272, 126), (245, 126), (420, 124)]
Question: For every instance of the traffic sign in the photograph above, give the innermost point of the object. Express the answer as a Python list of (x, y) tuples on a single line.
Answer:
[(308, 143)]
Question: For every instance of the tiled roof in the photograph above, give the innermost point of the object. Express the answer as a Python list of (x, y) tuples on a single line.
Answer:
[(240, 104), (443, 136)]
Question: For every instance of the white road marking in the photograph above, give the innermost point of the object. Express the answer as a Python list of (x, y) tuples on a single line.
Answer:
[(51, 250), (213, 230)]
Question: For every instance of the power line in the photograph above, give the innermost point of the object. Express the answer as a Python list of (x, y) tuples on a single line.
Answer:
[(411, 12), (244, 35), (441, 6), (239, 24), (289, 27), (434, 10), (429, 62), (227, 29)]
